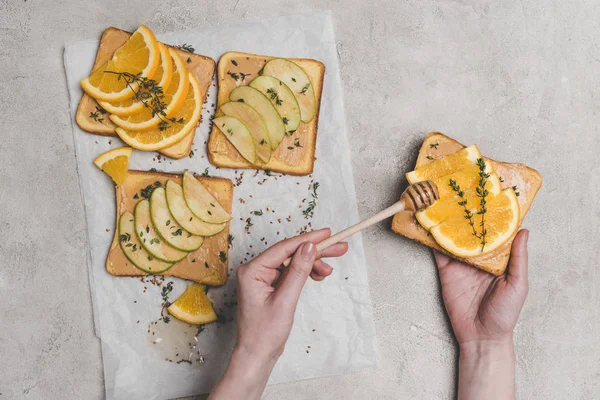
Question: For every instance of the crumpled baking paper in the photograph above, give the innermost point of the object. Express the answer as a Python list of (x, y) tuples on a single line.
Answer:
[(333, 333)]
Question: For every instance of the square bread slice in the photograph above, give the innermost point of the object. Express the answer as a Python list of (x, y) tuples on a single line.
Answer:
[(527, 181), (193, 267), (289, 158), (202, 67)]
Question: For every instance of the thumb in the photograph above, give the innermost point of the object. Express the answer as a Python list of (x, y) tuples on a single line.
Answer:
[(518, 265), (293, 281)]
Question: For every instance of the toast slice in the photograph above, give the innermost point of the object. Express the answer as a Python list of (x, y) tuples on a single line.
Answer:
[(202, 67), (289, 158), (193, 267), (527, 181)]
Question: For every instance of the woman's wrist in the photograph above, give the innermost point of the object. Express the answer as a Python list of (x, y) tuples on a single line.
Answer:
[(485, 348), (487, 369), (245, 377)]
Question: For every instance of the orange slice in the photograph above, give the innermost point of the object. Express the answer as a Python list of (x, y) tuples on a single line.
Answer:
[(193, 306), (462, 159), (134, 105), (501, 221), (447, 206), (156, 139), (140, 55), (173, 98), (115, 163)]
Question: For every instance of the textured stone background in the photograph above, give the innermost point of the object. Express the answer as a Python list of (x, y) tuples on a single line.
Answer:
[(521, 80)]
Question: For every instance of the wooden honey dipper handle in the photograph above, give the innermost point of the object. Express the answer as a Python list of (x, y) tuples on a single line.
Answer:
[(416, 197)]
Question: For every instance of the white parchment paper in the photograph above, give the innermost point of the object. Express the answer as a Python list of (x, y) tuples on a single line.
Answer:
[(333, 331)]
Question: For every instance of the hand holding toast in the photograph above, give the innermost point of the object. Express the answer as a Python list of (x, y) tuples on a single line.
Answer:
[(483, 310), (267, 299)]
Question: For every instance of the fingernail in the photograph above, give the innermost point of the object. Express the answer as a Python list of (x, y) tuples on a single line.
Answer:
[(526, 236), (308, 251)]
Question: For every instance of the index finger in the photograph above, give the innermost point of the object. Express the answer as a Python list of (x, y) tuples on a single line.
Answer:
[(276, 254)]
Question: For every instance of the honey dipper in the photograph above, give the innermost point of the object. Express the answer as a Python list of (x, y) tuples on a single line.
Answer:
[(416, 197)]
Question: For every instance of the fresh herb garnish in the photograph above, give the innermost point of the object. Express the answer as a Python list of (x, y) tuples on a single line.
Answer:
[(263, 142), (97, 115), (186, 47), (516, 192), (178, 232), (309, 211), (230, 241), (293, 79), (205, 173), (147, 191), (222, 256), (150, 93), (234, 62), (305, 88), (166, 290), (125, 237), (274, 96), (189, 60), (257, 212), (233, 75), (482, 193), (430, 158), (463, 202), (297, 143), (501, 180), (206, 264), (285, 120)]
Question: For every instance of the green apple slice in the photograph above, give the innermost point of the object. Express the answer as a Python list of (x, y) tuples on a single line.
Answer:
[(299, 83), (167, 227), (282, 98), (265, 108), (255, 124), (239, 136), (184, 216), (148, 237), (131, 246), (201, 202)]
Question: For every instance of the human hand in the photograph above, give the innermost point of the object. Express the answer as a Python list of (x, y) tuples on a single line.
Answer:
[(482, 306), (483, 310), (267, 299), (268, 294)]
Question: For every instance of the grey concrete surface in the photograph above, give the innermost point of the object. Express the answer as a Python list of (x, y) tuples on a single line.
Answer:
[(518, 78)]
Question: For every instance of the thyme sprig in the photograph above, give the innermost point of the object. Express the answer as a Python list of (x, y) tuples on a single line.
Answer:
[(150, 93), (168, 288), (274, 96), (463, 202), (186, 47), (482, 193), (309, 211)]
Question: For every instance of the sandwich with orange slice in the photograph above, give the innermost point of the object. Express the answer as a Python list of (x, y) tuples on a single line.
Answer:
[(482, 203), (147, 93), (172, 225)]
